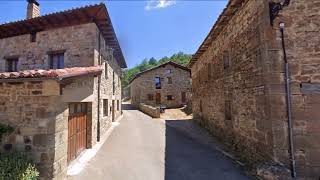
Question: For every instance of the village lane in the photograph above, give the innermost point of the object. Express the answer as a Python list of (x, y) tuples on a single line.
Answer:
[(142, 148)]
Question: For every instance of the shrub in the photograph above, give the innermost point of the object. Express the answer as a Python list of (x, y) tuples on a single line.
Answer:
[(17, 166), (5, 129)]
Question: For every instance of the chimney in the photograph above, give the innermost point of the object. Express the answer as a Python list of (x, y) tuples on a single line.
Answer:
[(33, 9)]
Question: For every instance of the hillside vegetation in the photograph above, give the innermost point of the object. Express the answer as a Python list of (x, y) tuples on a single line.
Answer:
[(180, 58)]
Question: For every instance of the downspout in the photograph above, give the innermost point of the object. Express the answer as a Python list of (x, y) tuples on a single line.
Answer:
[(99, 83), (288, 101)]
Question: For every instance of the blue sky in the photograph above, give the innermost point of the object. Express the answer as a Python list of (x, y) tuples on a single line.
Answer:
[(145, 29)]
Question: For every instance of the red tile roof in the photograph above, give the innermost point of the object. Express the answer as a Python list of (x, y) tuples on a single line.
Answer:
[(58, 74)]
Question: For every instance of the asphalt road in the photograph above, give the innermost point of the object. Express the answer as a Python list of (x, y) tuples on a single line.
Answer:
[(142, 148)]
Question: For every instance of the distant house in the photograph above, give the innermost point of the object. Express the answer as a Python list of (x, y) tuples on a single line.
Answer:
[(239, 86), (167, 84), (60, 84)]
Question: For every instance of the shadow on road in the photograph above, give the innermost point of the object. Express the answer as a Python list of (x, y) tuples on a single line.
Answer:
[(188, 159)]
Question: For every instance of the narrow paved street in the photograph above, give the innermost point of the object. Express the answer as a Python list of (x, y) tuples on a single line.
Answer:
[(142, 148)]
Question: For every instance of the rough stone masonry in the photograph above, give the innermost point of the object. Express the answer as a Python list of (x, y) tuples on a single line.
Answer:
[(239, 88)]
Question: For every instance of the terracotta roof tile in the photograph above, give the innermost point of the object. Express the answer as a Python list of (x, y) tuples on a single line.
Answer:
[(52, 73)]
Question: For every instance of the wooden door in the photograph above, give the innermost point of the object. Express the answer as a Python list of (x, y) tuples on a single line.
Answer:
[(183, 97), (77, 129), (158, 98)]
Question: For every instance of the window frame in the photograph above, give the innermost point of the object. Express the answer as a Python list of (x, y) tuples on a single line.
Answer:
[(157, 85), (51, 59), (33, 37), (105, 110), (226, 60), (169, 71), (12, 64), (228, 110), (169, 80)]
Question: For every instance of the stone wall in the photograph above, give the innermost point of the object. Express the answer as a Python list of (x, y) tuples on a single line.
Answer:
[(76, 41), (38, 115), (302, 41), (113, 75), (150, 110), (244, 103), (37, 109), (231, 101), (144, 85)]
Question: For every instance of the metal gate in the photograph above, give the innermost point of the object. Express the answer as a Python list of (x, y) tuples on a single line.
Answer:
[(77, 129)]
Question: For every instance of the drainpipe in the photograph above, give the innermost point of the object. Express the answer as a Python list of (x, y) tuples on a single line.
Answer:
[(288, 101), (99, 83)]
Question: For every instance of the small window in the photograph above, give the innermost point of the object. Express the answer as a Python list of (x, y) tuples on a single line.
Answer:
[(226, 60), (227, 110), (200, 106), (183, 97), (118, 105), (169, 80), (12, 65), (170, 97), (57, 61), (158, 82), (150, 97), (168, 71), (105, 107), (33, 37)]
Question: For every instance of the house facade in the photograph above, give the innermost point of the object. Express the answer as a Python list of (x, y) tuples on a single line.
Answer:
[(60, 85), (167, 84), (239, 86)]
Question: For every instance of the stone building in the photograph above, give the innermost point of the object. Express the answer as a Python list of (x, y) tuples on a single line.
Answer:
[(167, 84), (239, 86), (60, 85)]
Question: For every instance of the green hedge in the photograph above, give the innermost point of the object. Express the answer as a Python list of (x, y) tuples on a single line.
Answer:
[(16, 166)]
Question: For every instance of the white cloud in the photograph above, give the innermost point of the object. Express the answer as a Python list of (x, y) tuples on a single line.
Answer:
[(157, 4)]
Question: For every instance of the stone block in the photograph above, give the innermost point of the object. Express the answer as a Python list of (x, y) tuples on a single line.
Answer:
[(40, 140)]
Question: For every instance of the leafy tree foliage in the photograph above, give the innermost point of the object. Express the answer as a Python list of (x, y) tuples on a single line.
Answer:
[(179, 58)]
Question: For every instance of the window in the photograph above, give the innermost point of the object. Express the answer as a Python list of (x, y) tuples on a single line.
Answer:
[(168, 71), (169, 80), (12, 65), (106, 70), (105, 107), (183, 97), (169, 97), (57, 61), (33, 37), (76, 108), (158, 82), (226, 60), (227, 110), (118, 105), (150, 97), (201, 106)]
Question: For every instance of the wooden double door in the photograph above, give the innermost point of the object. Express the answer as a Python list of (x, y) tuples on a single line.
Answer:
[(77, 129)]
